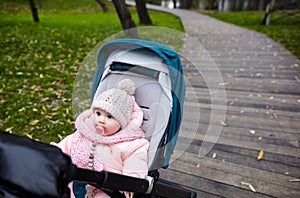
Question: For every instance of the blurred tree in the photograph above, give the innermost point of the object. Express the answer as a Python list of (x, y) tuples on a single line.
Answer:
[(186, 4), (34, 11), (103, 5), (174, 3), (143, 12), (125, 18)]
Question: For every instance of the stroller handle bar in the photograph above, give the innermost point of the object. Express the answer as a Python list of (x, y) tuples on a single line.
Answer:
[(116, 181)]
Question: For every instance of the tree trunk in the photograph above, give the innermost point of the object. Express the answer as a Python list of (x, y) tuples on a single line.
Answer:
[(261, 5), (226, 5), (268, 12), (103, 5), (175, 3), (186, 4), (125, 18), (34, 11), (143, 12)]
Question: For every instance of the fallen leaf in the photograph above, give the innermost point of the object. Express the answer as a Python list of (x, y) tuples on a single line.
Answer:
[(259, 138), (34, 122), (252, 188), (294, 180), (224, 83), (198, 165), (60, 137), (214, 155), (28, 135), (70, 122), (9, 129), (223, 123), (249, 185), (22, 109), (260, 155), (252, 131)]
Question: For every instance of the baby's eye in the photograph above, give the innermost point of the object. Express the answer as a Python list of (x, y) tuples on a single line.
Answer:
[(109, 116), (98, 113)]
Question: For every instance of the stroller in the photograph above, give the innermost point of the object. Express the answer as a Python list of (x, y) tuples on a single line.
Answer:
[(160, 90)]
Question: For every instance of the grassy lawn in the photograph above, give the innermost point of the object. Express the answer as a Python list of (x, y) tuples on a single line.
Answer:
[(285, 31), (39, 61)]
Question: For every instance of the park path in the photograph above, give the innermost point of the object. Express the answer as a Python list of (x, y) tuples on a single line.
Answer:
[(262, 85)]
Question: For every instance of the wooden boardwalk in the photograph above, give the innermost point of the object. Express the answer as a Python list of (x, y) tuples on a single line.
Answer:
[(262, 85)]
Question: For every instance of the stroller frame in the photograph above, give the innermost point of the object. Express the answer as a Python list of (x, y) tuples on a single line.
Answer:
[(151, 186)]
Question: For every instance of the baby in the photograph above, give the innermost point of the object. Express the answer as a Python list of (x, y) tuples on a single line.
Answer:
[(108, 137)]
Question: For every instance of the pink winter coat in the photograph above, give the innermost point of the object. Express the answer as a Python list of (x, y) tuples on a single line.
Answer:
[(124, 152)]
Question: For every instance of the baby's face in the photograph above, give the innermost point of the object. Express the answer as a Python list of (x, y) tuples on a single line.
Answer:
[(106, 122)]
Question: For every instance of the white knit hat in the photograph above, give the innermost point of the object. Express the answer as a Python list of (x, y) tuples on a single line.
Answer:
[(118, 102)]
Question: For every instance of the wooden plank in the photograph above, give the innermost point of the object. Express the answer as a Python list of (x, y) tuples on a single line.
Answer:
[(246, 159), (234, 112), (268, 119), (260, 135), (288, 125), (202, 125), (233, 179), (276, 158), (243, 94), (242, 170), (288, 140), (267, 110), (246, 144), (210, 187), (242, 71)]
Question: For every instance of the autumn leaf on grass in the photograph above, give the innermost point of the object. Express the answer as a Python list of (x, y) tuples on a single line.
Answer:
[(9, 129), (70, 121), (28, 135), (34, 122), (260, 155)]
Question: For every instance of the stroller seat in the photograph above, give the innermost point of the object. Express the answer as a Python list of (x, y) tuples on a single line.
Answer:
[(153, 91), (157, 71)]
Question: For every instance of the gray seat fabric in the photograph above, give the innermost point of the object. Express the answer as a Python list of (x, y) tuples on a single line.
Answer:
[(152, 95)]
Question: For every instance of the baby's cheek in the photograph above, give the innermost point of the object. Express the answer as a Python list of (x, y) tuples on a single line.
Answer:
[(95, 120)]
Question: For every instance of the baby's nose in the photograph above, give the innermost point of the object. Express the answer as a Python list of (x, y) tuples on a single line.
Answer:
[(101, 119)]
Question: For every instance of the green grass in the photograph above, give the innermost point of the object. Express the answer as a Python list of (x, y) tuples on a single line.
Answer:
[(39, 61), (285, 31)]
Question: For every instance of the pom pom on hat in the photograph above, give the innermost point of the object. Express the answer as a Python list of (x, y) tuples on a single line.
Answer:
[(128, 86), (117, 102)]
